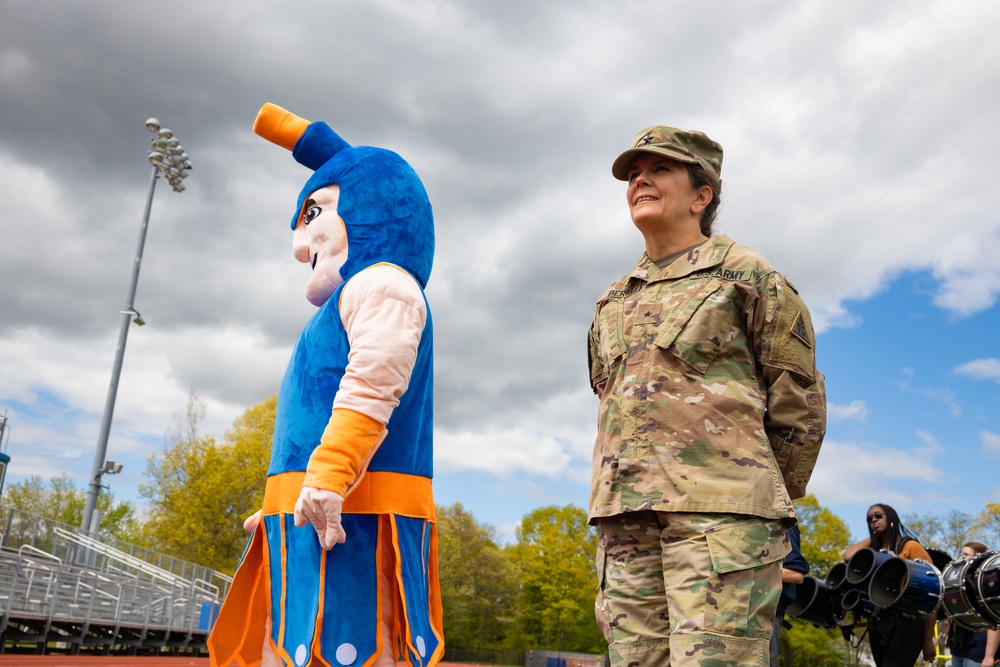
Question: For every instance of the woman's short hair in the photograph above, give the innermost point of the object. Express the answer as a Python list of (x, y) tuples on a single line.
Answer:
[(978, 547)]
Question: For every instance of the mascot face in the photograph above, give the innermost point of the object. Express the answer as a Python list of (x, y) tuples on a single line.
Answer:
[(321, 240)]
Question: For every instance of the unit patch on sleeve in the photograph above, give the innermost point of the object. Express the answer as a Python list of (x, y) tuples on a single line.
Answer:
[(800, 330)]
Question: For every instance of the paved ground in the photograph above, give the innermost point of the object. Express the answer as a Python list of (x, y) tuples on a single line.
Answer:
[(13, 660)]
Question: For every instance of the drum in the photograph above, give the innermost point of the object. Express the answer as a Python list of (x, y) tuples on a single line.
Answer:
[(813, 603), (987, 587), (857, 601), (911, 587), (863, 564), (961, 604), (836, 580)]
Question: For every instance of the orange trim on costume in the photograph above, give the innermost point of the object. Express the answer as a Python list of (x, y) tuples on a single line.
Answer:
[(241, 612), (402, 592), (434, 597), (375, 493), (281, 652), (318, 625), (279, 126), (267, 593), (379, 600)]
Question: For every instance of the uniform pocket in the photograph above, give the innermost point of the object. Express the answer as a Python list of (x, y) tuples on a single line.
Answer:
[(601, 602), (746, 544), (699, 326), (745, 582)]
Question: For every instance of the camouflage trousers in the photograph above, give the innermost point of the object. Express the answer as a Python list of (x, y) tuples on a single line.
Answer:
[(686, 589)]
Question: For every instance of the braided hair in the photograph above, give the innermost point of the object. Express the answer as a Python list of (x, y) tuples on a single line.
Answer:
[(896, 534)]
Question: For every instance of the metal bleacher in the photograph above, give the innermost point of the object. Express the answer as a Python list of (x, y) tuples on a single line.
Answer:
[(64, 591)]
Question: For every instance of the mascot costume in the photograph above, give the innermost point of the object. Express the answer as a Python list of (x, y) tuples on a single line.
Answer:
[(341, 568)]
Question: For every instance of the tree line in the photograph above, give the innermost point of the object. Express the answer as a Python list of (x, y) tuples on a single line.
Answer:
[(536, 591)]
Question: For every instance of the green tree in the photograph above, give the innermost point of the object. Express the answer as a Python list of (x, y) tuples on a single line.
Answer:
[(946, 532), (825, 535), (200, 491), (554, 555), (958, 529), (60, 500), (478, 582), (928, 528), (986, 525)]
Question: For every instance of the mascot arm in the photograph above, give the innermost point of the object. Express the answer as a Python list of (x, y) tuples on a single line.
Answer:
[(384, 313)]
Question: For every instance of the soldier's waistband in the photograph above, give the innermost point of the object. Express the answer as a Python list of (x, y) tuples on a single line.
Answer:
[(376, 493)]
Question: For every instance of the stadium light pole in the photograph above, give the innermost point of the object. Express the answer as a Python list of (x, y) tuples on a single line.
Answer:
[(169, 160)]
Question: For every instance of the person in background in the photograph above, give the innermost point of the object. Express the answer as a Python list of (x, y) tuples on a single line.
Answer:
[(968, 648), (896, 640), (793, 572)]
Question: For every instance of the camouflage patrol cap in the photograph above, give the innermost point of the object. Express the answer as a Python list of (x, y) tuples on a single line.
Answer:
[(688, 146)]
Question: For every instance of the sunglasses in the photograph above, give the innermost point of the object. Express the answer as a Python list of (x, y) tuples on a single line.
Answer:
[(875, 515)]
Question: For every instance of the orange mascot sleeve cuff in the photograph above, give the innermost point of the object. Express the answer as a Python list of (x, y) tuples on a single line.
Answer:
[(347, 446)]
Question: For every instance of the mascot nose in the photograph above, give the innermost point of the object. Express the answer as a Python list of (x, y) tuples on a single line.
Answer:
[(300, 243)]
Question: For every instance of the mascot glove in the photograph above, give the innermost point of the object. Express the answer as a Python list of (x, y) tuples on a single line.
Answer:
[(321, 508), (347, 446)]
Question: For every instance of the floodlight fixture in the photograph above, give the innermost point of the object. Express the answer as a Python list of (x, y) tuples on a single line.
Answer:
[(136, 317), (167, 157)]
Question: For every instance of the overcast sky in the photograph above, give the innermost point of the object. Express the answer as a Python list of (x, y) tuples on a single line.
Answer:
[(860, 142)]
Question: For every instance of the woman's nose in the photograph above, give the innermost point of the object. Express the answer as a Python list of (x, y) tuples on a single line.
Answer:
[(641, 178)]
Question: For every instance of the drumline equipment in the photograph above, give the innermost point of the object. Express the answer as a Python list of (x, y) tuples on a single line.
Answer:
[(814, 603), (966, 591), (837, 585), (857, 601), (988, 587), (836, 579), (821, 603), (863, 564), (962, 601), (911, 587)]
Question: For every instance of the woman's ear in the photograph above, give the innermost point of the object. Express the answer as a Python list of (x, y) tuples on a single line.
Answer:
[(702, 198)]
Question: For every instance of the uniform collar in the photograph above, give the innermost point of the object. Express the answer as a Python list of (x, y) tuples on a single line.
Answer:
[(705, 256)]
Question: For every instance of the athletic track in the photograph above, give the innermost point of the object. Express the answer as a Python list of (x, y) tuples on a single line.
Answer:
[(15, 660)]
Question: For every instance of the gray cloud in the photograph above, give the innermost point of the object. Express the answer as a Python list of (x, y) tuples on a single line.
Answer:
[(858, 145)]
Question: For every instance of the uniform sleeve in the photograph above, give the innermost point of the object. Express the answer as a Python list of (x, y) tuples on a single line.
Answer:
[(795, 413), (598, 376), (384, 313)]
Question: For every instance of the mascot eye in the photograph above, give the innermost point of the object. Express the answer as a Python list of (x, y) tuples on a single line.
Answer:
[(312, 213)]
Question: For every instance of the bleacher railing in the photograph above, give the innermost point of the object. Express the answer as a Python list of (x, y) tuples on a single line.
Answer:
[(55, 573), (106, 554)]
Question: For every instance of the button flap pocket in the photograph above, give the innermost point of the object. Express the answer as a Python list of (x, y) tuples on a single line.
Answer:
[(747, 544), (700, 322)]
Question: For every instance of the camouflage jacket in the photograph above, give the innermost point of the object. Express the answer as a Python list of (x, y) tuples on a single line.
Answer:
[(706, 373)]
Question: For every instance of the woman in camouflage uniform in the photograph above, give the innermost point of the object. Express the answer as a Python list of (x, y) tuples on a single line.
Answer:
[(711, 416)]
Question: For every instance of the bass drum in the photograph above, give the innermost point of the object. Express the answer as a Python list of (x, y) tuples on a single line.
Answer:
[(987, 588), (960, 598)]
